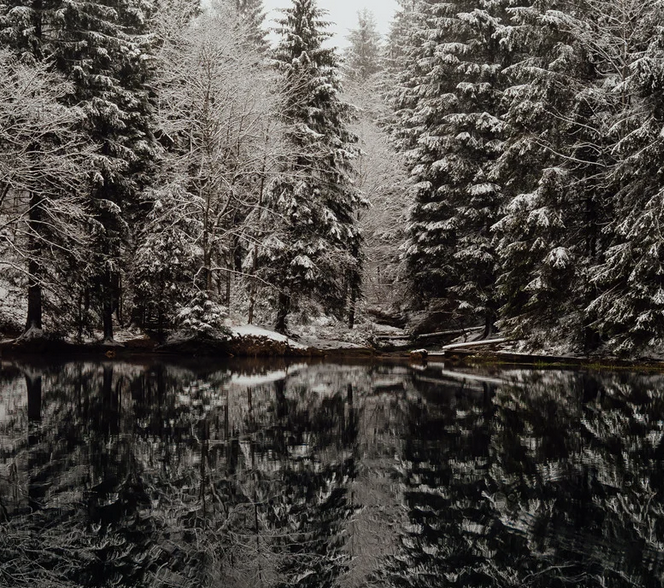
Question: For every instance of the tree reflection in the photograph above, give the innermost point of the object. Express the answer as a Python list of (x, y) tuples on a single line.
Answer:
[(326, 476)]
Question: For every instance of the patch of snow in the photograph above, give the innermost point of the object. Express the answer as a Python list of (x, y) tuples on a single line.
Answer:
[(326, 344), (254, 331), (124, 335)]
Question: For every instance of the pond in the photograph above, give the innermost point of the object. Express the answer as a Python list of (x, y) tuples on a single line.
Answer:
[(325, 475)]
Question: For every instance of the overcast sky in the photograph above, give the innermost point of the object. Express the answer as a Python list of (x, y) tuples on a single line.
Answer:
[(343, 13)]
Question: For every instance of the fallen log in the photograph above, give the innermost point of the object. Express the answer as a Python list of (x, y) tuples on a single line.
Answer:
[(473, 344), (454, 333)]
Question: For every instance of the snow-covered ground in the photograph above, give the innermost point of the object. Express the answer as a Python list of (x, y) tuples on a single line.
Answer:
[(327, 333), (240, 331)]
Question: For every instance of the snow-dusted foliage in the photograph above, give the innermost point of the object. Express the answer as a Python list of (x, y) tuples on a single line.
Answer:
[(581, 115), (446, 122), (101, 49), (380, 170), (314, 248), (201, 317), (548, 233), (107, 60), (42, 181), (627, 306), (533, 135), (152, 153), (215, 119)]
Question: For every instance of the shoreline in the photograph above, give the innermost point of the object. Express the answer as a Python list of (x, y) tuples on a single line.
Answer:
[(261, 348)]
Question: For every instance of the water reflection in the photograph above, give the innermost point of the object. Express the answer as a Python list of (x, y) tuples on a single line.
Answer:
[(325, 475)]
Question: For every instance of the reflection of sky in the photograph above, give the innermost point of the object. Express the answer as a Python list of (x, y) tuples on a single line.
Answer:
[(343, 13)]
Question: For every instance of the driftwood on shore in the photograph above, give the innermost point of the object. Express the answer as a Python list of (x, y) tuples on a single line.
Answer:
[(425, 336)]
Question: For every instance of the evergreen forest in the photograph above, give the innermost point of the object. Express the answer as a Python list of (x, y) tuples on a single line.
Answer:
[(170, 167)]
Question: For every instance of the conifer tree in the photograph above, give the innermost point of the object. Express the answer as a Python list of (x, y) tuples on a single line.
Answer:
[(627, 281), (315, 250), (249, 15), (542, 171), (399, 42), (573, 107), (103, 48), (362, 59), (447, 122)]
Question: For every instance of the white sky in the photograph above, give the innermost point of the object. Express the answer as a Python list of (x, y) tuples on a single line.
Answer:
[(343, 13)]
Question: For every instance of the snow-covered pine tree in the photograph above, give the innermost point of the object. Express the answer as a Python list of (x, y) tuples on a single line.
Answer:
[(362, 58), (399, 43), (314, 251), (446, 110), (104, 49), (250, 16), (627, 307), (565, 105)]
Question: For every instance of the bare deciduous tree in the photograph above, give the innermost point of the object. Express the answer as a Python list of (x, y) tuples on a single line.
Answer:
[(42, 174)]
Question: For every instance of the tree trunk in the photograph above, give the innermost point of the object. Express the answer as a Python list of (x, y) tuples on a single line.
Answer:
[(283, 308), (489, 325), (107, 306), (229, 282), (34, 318), (351, 307), (252, 287)]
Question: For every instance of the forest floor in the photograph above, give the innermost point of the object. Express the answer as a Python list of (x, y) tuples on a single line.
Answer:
[(240, 341), (327, 341), (315, 338)]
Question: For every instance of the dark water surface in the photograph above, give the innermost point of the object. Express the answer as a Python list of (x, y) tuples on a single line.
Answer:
[(114, 474)]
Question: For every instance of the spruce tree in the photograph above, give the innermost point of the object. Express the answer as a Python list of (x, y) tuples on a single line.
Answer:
[(103, 49), (249, 16), (539, 253), (362, 59), (627, 305), (447, 105), (572, 109), (315, 250), (399, 42), (252, 16)]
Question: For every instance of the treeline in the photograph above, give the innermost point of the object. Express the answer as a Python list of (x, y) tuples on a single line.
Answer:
[(158, 160), (533, 132)]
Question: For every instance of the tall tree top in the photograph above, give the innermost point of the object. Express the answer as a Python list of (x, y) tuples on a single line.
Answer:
[(302, 29), (363, 56)]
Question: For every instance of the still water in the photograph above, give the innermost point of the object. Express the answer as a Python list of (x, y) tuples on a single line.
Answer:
[(250, 475)]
